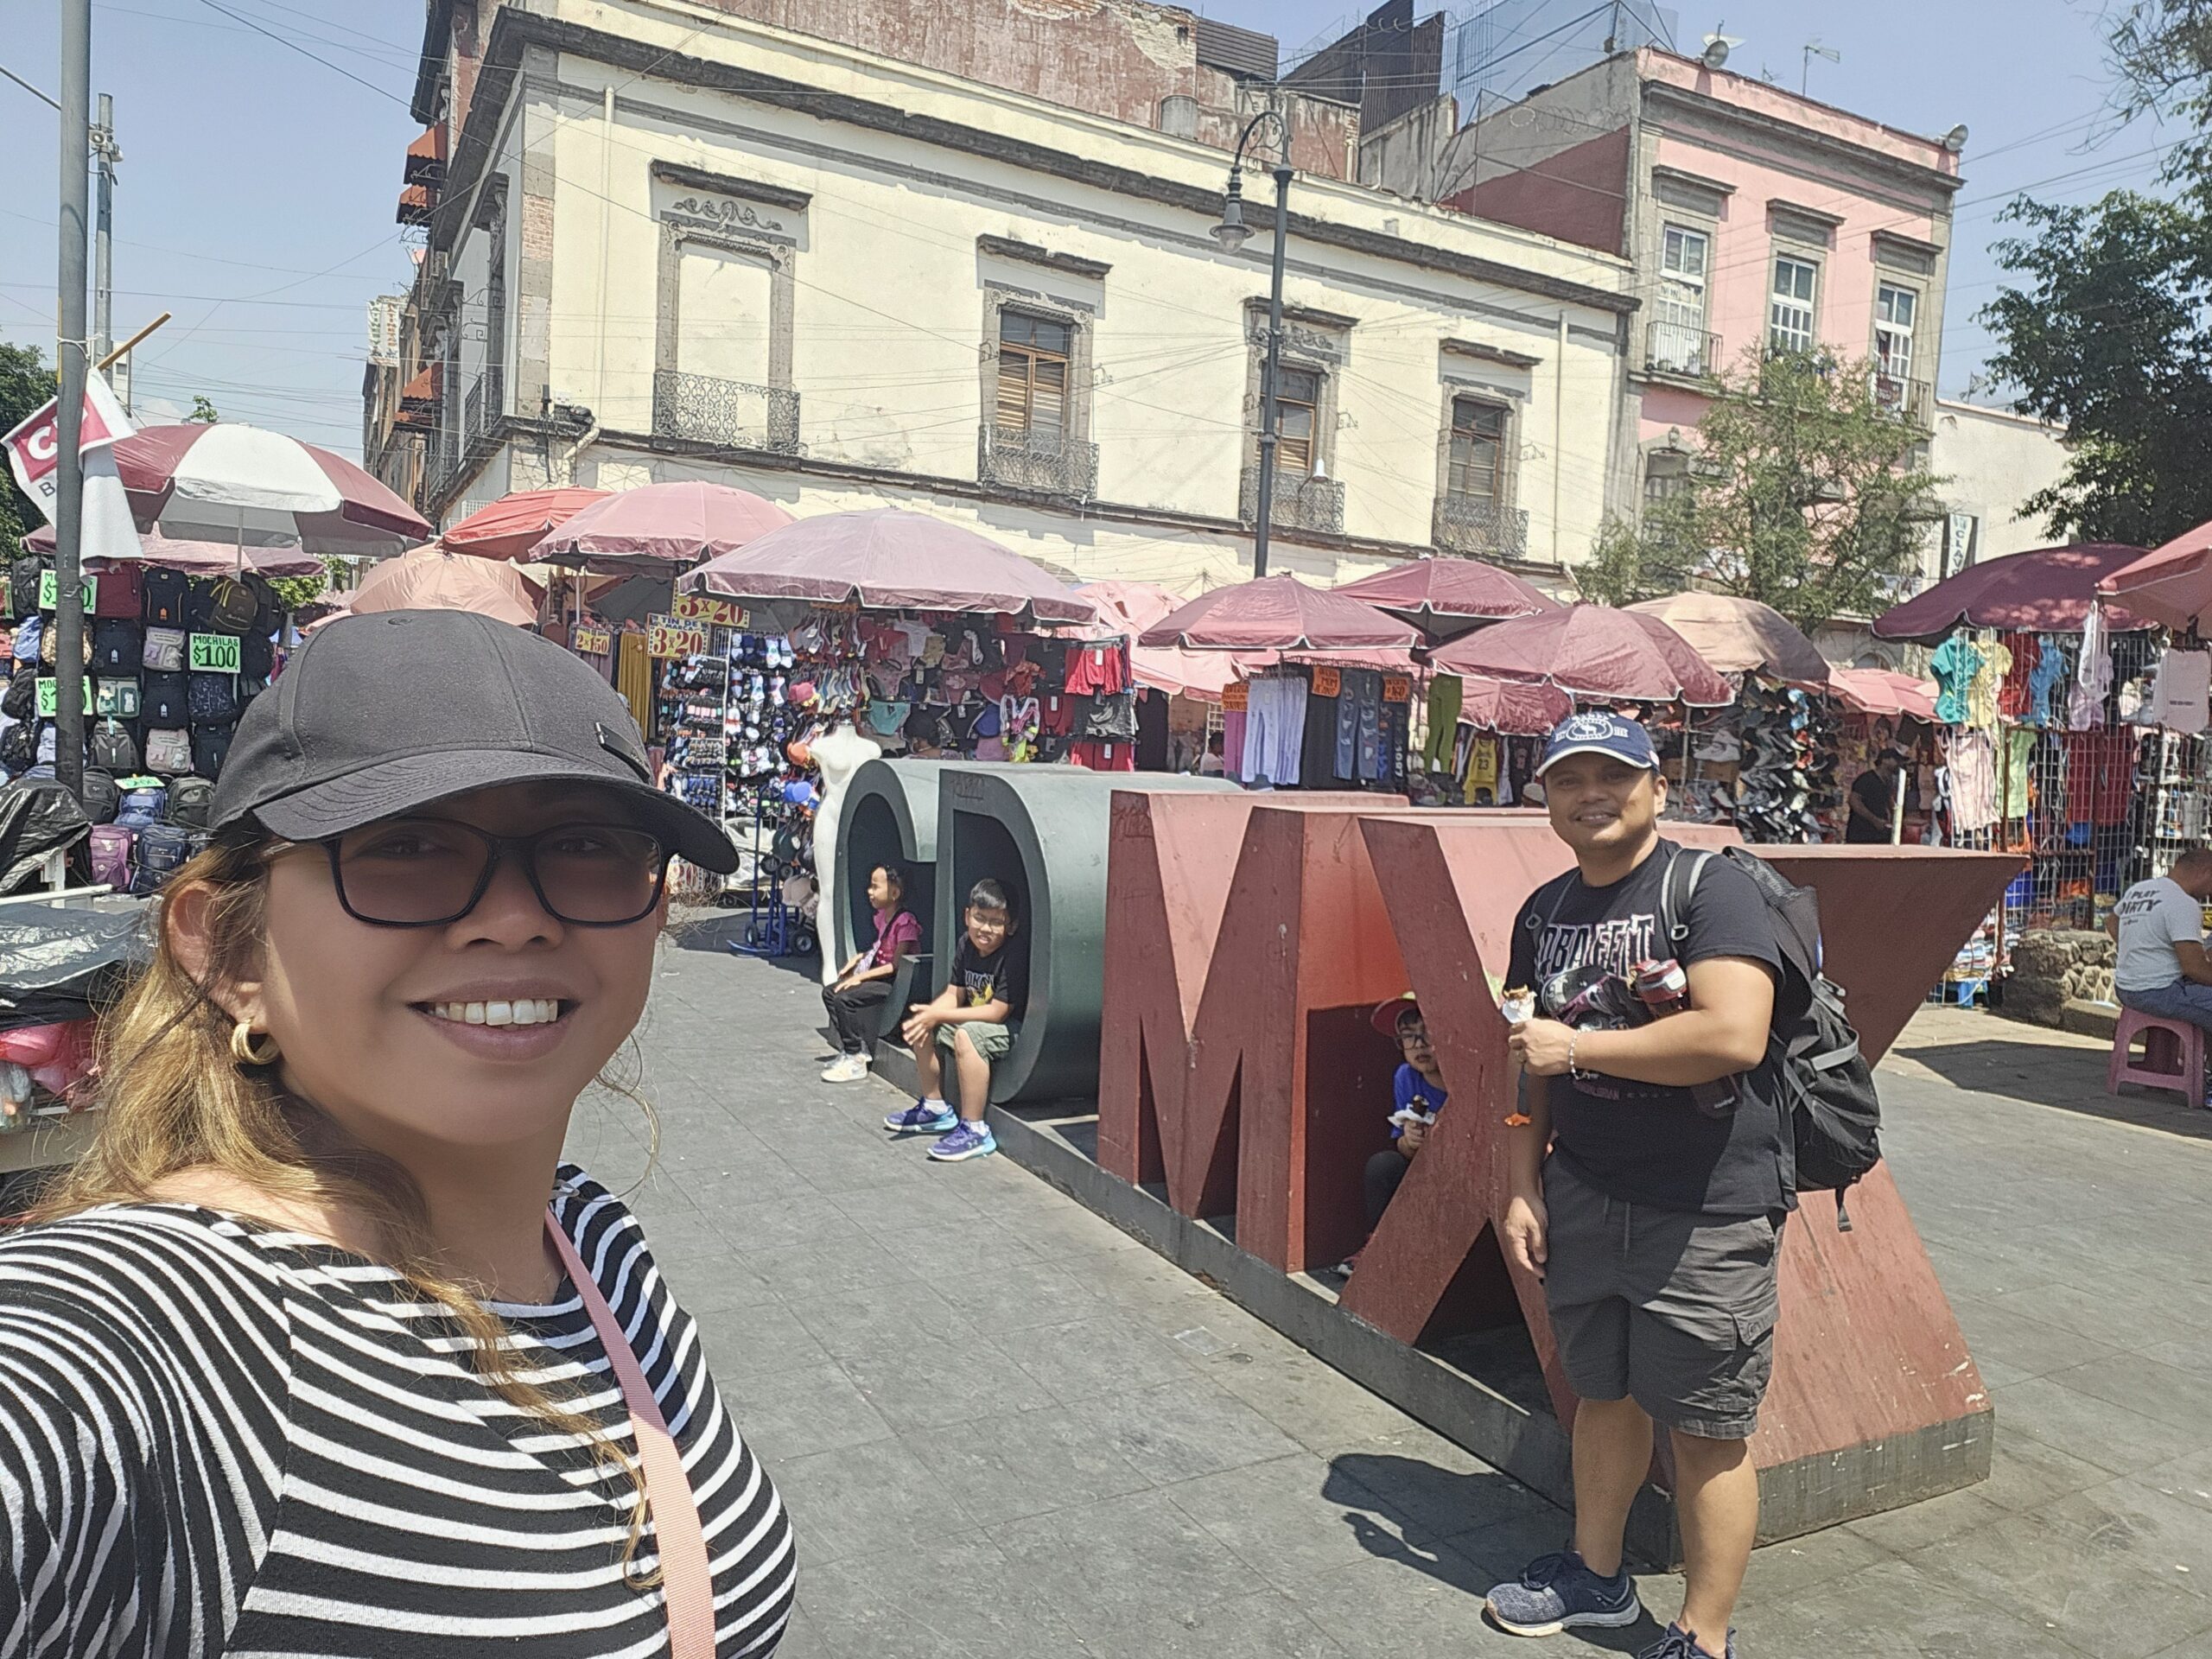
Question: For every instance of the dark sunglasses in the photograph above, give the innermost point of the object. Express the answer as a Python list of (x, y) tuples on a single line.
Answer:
[(429, 872)]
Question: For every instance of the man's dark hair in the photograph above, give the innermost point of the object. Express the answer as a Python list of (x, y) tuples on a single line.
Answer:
[(1896, 755), (990, 894)]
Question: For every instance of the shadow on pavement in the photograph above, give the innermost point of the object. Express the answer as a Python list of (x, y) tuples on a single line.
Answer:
[(2068, 1077)]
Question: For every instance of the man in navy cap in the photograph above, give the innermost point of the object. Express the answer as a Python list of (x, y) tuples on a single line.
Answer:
[(1651, 1213)]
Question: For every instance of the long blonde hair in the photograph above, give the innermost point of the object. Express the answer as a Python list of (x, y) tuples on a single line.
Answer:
[(172, 1098)]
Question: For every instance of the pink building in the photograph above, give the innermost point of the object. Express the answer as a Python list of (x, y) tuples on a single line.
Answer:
[(1757, 220)]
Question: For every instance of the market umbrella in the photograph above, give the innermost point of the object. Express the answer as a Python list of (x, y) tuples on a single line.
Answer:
[(228, 481), (432, 579), (199, 558), (1518, 708), (661, 526), (1591, 652), (1884, 691), (1448, 594), (2171, 584), (515, 522), (1130, 608), (887, 559), (2045, 591), (1740, 636), (1278, 614)]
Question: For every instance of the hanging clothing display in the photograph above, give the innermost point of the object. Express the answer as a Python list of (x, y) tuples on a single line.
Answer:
[(2015, 696), (1275, 729), (1972, 757), (1152, 731), (1481, 773), (2019, 746), (1983, 692), (1232, 742), (2053, 668), (1954, 665), (2183, 685), (2085, 708), (1445, 694)]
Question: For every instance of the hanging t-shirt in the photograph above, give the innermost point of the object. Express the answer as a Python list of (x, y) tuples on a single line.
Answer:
[(1954, 664), (2184, 685), (1481, 785), (2085, 707), (1972, 756), (2052, 668), (2019, 746), (1988, 680)]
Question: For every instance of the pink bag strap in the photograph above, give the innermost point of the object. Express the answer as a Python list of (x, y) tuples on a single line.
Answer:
[(686, 1583)]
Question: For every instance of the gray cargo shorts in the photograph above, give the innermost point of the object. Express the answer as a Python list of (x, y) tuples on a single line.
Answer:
[(1674, 1310)]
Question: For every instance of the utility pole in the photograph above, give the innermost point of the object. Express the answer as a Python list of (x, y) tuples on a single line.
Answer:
[(106, 153), (69, 508)]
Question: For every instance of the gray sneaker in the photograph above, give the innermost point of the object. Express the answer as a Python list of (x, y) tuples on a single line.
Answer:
[(1676, 1644), (1558, 1593)]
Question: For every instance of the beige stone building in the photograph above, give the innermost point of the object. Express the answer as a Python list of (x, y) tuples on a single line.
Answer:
[(958, 258)]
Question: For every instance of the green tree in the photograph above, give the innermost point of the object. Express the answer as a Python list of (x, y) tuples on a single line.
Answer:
[(26, 382), (1806, 490), (203, 412)]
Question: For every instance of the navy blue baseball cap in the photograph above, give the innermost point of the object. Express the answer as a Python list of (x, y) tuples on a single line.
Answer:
[(1600, 734)]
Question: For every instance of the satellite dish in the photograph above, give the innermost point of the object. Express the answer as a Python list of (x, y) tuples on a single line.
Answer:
[(1716, 48)]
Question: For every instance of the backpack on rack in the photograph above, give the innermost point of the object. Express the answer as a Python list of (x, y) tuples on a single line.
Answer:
[(169, 750), (232, 606), (162, 848), (1828, 1087), (212, 699), (163, 651), (23, 584), (146, 802), (256, 656), (192, 802), (165, 699), (30, 634), (20, 700), (118, 645), (268, 605), (18, 746), (99, 794), (211, 746), (113, 747), (111, 855), (118, 595), (116, 699), (165, 592)]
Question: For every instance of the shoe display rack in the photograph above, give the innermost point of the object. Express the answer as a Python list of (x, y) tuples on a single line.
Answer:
[(1786, 786)]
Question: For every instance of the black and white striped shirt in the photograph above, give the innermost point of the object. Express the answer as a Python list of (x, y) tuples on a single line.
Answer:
[(221, 1438)]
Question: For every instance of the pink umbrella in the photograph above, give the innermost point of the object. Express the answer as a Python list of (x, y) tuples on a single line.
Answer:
[(886, 559), (228, 481), (199, 558), (1739, 635), (1130, 608), (1592, 653), (2171, 584), (1278, 614), (2045, 591), (1454, 593), (660, 525), (1519, 708), (515, 522), (1881, 692), (432, 579)]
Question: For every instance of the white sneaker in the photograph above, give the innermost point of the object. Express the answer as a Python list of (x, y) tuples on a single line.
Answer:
[(848, 1068)]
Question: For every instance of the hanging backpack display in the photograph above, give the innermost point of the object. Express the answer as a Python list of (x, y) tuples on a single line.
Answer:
[(100, 795), (119, 593), (165, 592), (232, 606), (114, 749), (162, 848), (23, 585), (20, 701), (192, 802), (116, 699), (257, 657), (145, 801), (164, 649), (269, 608), (165, 699), (211, 746), (169, 750), (29, 633), (111, 855), (212, 699), (118, 647)]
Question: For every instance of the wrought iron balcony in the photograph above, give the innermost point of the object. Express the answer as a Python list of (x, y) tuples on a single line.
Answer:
[(1909, 400), (1479, 527), (1032, 461), (728, 414), (1300, 502), (1676, 348)]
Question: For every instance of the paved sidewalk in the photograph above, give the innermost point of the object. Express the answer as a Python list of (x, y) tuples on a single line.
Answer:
[(1007, 1431)]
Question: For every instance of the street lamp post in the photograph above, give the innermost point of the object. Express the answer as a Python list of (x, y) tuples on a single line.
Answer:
[(1232, 233)]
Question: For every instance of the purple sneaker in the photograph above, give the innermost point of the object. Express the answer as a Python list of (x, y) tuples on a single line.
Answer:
[(1557, 1592), (971, 1140), (922, 1118)]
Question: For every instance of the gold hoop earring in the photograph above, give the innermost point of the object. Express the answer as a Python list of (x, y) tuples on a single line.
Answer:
[(246, 1052)]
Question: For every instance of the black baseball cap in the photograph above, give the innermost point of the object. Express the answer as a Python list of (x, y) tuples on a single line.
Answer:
[(381, 715)]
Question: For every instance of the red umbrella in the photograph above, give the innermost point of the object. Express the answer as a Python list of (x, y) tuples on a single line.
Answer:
[(1519, 708), (1591, 652), (2046, 592), (1738, 635), (2172, 585), (514, 523), (1278, 614), (197, 558), (660, 525), (228, 481), (886, 559), (1427, 592)]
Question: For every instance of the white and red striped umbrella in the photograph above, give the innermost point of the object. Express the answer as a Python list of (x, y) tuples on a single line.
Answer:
[(232, 482)]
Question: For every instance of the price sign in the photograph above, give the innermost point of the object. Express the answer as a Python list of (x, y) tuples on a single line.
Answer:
[(1237, 698), (1327, 681), (214, 653), (667, 637), (705, 608), (1397, 688), (49, 591), (49, 698), (592, 641)]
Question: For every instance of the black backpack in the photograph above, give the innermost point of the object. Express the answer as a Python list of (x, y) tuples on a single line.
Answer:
[(118, 646), (20, 700), (100, 795), (113, 747), (212, 699), (192, 801), (211, 746), (165, 592), (1828, 1087), (23, 585), (232, 606), (165, 699)]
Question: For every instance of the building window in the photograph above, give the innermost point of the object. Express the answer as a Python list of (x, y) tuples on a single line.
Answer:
[(1666, 474), (1678, 328), (1789, 316), (1478, 467), (1895, 308), (1298, 397), (1032, 391)]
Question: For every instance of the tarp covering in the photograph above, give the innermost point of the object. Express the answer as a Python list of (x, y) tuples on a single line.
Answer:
[(38, 817), (66, 964)]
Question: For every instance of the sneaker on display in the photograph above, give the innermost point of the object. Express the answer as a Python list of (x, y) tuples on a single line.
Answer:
[(923, 1118), (971, 1140), (846, 1068)]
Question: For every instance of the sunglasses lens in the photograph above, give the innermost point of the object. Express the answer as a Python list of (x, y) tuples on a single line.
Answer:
[(600, 872), (409, 870)]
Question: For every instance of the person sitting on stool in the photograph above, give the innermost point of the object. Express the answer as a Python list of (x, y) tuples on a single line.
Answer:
[(2160, 967), (1416, 1093)]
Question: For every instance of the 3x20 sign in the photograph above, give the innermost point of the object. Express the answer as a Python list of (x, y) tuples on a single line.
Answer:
[(705, 608), (667, 637)]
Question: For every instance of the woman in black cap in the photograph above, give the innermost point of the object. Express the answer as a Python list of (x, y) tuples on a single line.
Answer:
[(321, 1349)]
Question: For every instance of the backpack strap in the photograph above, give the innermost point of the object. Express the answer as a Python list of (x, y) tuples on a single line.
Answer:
[(1669, 916), (1558, 901)]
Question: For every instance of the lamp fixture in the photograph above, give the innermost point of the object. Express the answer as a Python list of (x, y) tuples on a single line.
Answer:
[(1233, 233)]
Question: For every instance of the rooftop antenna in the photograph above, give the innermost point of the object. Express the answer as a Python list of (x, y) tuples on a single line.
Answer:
[(1815, 49)]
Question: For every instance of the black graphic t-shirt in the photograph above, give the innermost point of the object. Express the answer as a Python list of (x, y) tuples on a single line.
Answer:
[(1878, 800), (1640, 1142), (1001, 976)]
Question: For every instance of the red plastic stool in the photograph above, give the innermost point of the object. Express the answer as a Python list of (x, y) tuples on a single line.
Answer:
[(2173, 1056)]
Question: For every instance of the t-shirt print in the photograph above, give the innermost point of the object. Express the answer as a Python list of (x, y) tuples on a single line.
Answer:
[(1615, 945)]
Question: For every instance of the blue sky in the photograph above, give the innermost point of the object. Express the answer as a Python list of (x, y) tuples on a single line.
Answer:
[(258, 186)]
